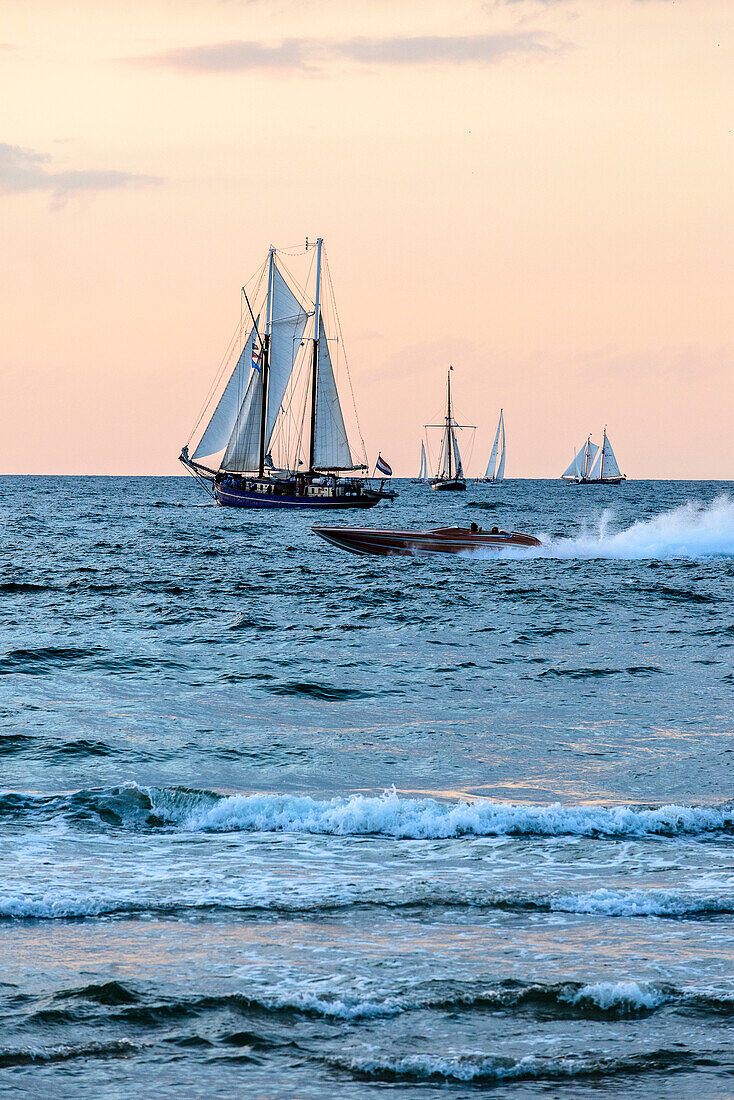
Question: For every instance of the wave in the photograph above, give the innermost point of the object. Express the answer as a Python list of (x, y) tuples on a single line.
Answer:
[(692, 530), (388, 815), (251, 899), (30, 1056), (480, 1068), (568, 1000)]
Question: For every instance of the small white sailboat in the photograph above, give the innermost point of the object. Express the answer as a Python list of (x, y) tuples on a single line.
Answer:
[(423, 471), (496, 471), (450, 474), (594, 465)]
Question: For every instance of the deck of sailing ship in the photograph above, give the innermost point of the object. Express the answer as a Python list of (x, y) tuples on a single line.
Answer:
[(276, 438)]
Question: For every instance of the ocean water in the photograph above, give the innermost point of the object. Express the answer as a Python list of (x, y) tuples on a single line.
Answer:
[(278, 821)]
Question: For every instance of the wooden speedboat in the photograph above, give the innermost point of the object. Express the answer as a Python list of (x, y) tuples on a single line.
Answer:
[(441, 540)]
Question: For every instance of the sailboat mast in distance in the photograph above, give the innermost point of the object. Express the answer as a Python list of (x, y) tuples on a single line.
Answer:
[(450, 474), (266, 364), (315, 363)]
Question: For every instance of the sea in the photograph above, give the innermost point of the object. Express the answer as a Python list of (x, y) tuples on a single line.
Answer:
[(277, 821)]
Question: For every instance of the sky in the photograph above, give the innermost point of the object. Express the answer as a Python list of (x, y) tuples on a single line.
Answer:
[(538, 192)]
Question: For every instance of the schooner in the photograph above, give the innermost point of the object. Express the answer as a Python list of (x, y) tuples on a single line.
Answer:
[(594, 465), (450, 473), (276, 438)]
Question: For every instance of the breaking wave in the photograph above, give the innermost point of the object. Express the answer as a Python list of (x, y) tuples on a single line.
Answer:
[(477, 1068), (389, 815)]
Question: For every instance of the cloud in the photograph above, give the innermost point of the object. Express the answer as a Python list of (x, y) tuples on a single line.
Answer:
[(310, 53), (23, 170)]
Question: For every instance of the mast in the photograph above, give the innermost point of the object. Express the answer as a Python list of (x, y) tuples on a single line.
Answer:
[(315, 364), (603, 449), (448, 419), (266, 363)]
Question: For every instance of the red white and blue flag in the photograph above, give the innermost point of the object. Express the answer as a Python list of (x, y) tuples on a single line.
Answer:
[(256, 359), (383, 467)]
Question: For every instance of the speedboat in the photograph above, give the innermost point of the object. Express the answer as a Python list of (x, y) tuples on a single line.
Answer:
[(441, 540)]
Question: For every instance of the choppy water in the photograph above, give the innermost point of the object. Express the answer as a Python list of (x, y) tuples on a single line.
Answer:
[(279, 821)]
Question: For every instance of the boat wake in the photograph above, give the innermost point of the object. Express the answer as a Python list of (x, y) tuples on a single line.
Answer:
[(693, 530)]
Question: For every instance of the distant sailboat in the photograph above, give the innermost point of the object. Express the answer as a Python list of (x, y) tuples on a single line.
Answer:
[(594, 465), (423, 471), (495, 471), (450, 474), (282, 399)]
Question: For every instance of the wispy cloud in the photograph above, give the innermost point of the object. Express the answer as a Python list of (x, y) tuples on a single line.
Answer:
[(311, 53), (23, 170)]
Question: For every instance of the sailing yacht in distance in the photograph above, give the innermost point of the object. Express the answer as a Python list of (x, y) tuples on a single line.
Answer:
[(450, 474), (423, 471), (282, 400), (496, 471), (594, 465)]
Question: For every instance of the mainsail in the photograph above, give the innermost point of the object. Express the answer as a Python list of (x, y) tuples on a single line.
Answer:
[(494, 472), (459, 471), (501, 468), (583, 463), (331, 443), (423, 471), (609, 462), (286, 330)]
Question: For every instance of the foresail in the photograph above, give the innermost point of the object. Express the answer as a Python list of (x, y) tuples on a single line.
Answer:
[(576, 469), (331, 444), (611, 469), (243, 449), (288, 322), (219, 429)]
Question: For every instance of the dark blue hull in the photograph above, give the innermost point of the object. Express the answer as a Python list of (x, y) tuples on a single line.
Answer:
[(234, 497)]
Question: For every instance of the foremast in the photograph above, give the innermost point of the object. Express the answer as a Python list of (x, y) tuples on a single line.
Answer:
[(315, 360), (266, 365)]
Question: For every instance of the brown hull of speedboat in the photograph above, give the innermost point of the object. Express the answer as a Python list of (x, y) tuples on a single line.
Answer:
[(443, 540)]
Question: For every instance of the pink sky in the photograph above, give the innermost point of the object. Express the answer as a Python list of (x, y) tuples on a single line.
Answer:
[(537, 192)]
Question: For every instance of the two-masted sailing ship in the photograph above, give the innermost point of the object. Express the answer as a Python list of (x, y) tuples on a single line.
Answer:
[(496, 469), (276, 437), (594, 465), (450, 472)]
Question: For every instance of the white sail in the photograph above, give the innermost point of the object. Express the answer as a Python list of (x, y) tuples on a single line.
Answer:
[(492, 464), (219, 429), (593, 449), (576, 469), (243, 448), (459, 469), (611, 469), (594, 470), (501, 468), (286, 330), (423, 471), (331, 444)]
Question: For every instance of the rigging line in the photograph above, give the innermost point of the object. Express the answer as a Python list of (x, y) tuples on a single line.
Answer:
[(327, 267)]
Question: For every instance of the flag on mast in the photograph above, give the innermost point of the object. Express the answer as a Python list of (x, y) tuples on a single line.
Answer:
[(384, 467)]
